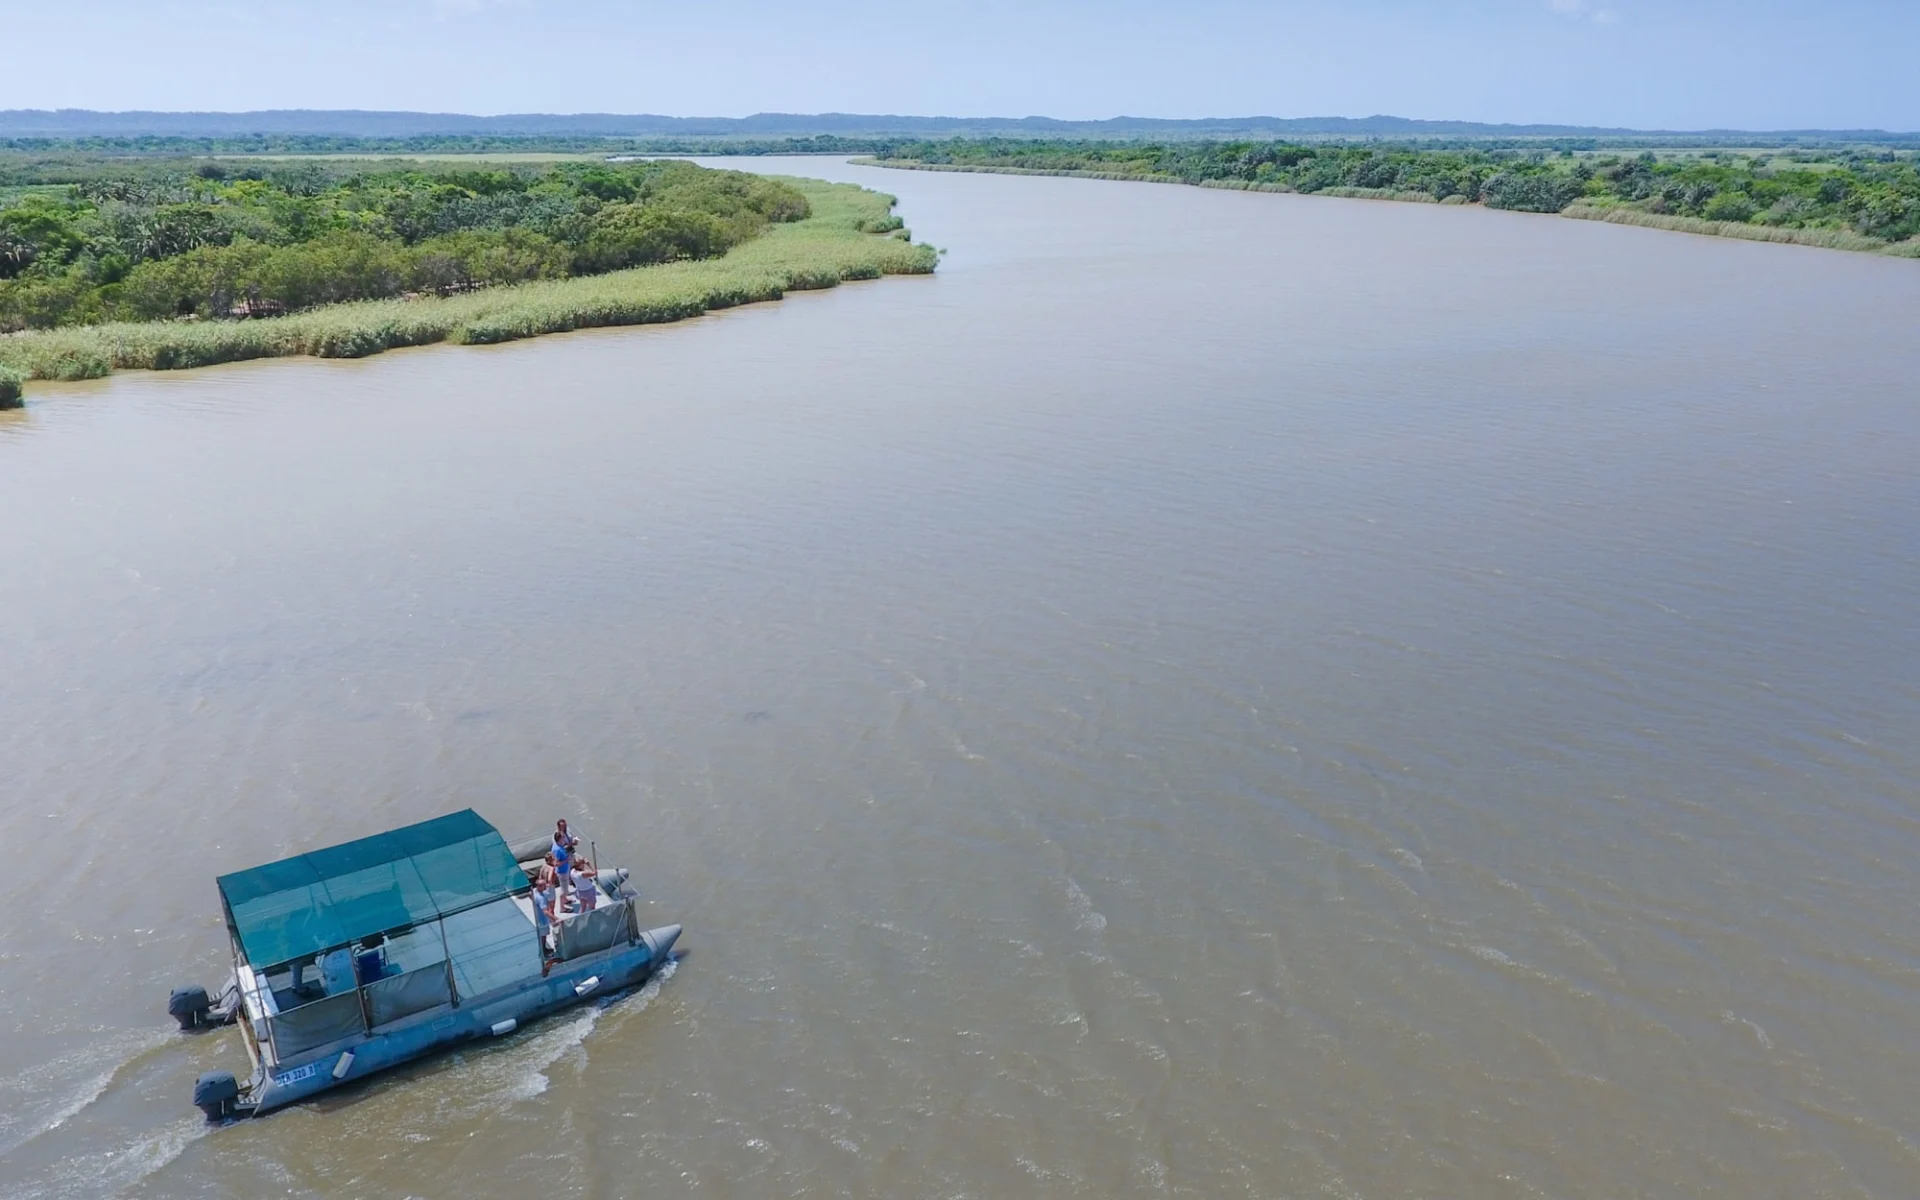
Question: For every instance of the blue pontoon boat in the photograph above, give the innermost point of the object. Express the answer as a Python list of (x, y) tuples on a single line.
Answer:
[(365, 955)]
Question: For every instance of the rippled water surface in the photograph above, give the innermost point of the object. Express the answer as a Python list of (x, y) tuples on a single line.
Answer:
[(1210, 695)]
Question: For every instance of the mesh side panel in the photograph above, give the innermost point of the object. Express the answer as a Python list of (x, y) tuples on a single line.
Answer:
[(466, 873), (301, 1029), (403, 995), (491, 946), (590, 932)]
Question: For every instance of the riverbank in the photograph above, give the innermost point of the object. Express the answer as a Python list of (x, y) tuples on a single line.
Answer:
[(1584, 210), (851, 234), (1825, 239), (1231, 185)]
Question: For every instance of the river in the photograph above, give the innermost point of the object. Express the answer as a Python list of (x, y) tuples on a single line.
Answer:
[(1212, 694)]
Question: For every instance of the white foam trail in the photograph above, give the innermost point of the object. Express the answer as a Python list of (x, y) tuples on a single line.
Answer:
[(1081, 905), (118, 1172), (1759, 1034), (18, 1115), (92, 1091), (548, 1046), (156, 1150), (521, 1073)]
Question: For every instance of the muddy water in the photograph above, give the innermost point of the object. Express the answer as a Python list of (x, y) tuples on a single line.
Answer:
[(1210, 695)]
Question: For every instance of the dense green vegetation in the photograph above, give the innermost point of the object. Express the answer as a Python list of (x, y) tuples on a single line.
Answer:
[(86, 240), (334, 131), (549, 146), (849, 233), (1869, 194)]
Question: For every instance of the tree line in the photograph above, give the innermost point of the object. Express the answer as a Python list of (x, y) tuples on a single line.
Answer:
[(85, 240), (1871, 191)]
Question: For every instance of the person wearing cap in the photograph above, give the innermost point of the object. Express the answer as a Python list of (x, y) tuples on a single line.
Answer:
[(585, 885)]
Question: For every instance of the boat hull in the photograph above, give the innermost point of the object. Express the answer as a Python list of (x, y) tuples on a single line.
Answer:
[(572, 983)]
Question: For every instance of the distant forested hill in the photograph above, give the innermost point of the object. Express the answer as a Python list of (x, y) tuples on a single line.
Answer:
[(84, 123)]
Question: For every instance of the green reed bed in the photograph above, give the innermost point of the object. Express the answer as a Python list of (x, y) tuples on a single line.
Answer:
[(10, 381), (851, 234), (1826, 239)]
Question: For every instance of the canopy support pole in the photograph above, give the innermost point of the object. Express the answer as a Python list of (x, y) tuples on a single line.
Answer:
[(453, 990)]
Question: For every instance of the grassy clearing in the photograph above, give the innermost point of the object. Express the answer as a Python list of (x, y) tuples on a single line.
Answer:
[(851, 234)]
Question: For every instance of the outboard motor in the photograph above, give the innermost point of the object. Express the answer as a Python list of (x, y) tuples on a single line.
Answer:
[(217, 1094), (190, 1006)]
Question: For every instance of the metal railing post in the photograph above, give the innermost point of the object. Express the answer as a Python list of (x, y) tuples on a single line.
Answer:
[(453, 990)]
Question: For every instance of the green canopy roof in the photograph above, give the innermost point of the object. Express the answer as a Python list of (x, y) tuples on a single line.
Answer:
[(329, 898)]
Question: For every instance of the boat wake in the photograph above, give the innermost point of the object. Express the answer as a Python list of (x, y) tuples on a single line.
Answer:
[(546, 1048), (515, 1070), (511, 1074), (98, 1065), (549, 1046), (118, 1171)]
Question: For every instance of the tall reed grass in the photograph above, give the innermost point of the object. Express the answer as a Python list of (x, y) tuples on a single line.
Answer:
[(1826, 239), (10, 381), (851, 234)]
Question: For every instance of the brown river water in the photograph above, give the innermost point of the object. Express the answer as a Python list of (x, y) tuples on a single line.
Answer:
[(1209, 695)]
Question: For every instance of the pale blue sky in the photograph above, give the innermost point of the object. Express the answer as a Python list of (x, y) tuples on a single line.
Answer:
[(1642, 63)]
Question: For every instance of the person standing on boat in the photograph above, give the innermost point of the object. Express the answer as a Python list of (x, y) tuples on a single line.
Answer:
[(585, 887), (563, 839), (543, 901), (562, 857)]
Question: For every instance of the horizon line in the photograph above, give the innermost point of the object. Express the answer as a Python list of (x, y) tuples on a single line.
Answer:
[(1030, 120)]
